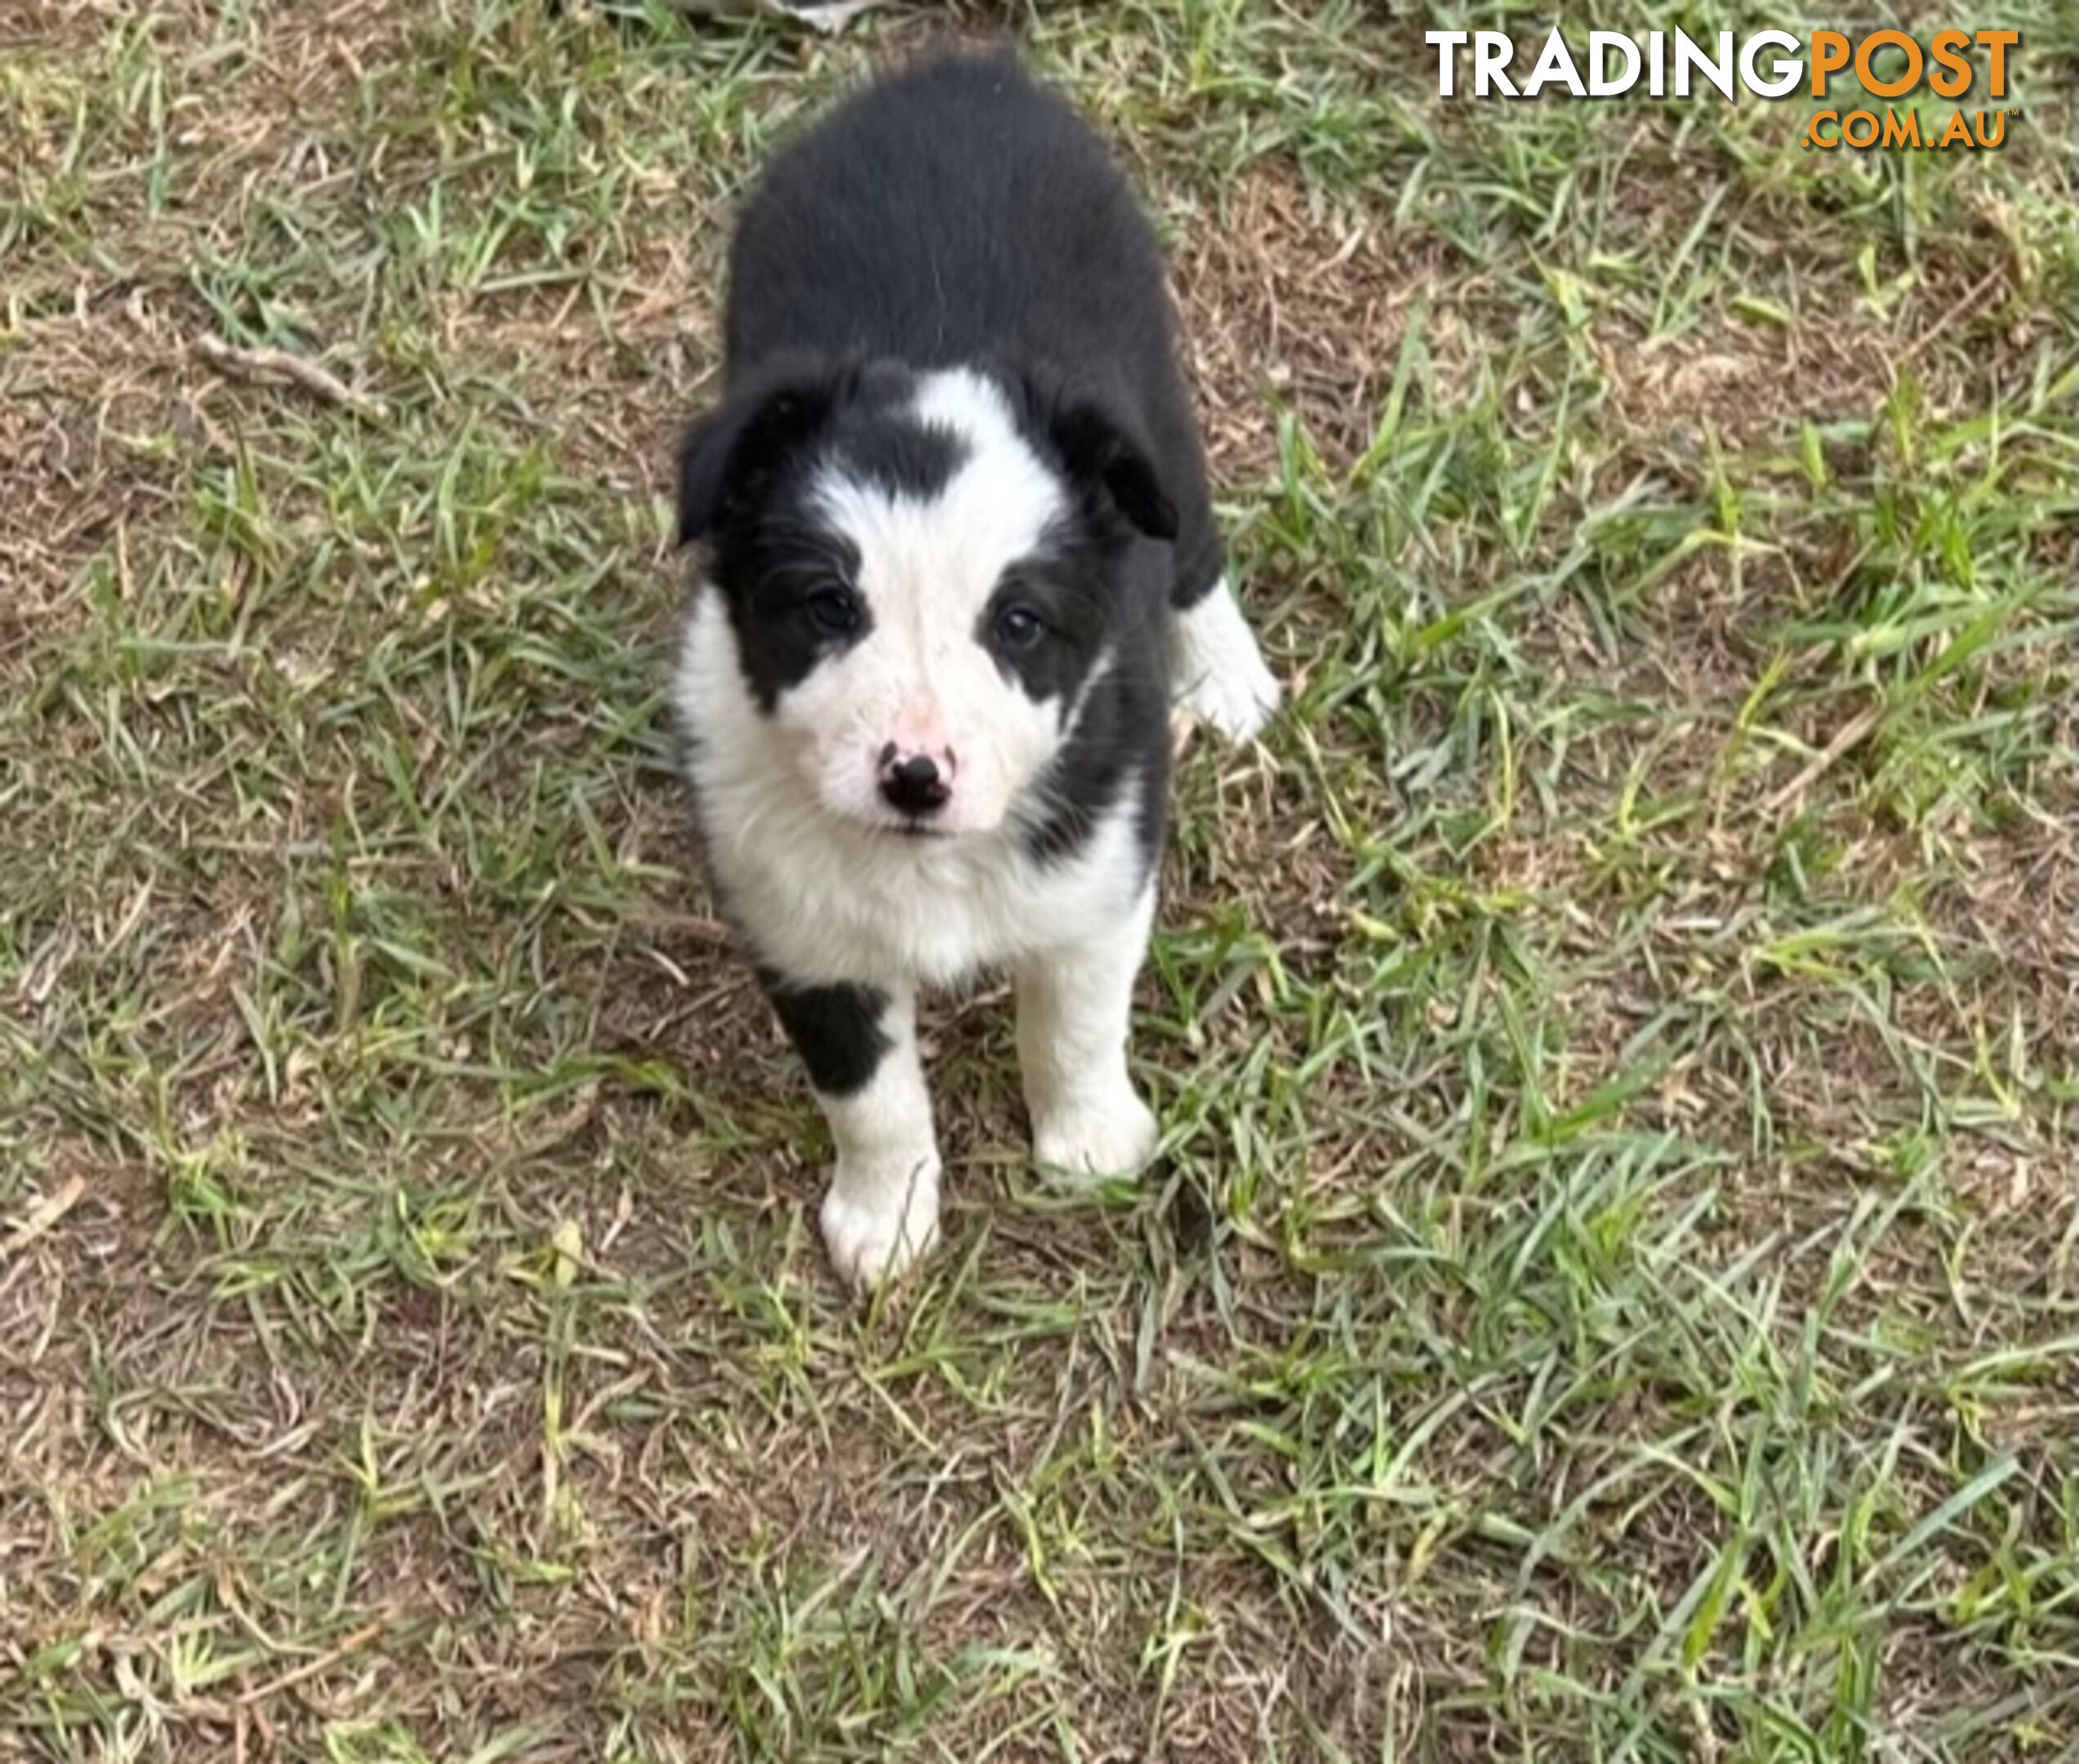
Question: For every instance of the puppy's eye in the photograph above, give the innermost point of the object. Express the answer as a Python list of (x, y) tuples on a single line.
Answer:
[(1019, 627), (833, 610)]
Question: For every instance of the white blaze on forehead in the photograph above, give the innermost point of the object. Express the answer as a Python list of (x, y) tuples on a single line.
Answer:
[(942, 553), (929, 564)]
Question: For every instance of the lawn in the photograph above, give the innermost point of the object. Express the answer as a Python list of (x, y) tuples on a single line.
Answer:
[(1611, 1292)]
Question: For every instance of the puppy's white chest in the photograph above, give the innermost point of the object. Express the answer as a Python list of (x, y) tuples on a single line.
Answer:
[(849, 910)]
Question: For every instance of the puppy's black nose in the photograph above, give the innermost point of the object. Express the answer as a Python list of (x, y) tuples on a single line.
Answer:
[(914, 786)]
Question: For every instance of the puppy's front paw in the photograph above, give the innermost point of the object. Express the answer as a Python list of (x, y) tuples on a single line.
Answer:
[(1220, 672), (874, 1230), (1238, 700), (1115, 1136)]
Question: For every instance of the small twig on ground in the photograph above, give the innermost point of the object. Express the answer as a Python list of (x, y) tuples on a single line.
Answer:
[(310, 1668), (279, 364), (1851, 731), (44, 1214), (1967, 303)]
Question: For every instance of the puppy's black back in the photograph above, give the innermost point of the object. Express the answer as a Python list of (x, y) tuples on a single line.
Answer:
[(954, 212)]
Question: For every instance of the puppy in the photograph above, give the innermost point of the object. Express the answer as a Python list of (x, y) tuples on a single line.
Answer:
[(957, 548)]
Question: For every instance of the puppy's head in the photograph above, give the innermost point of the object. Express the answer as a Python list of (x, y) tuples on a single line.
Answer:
[(919, 570)]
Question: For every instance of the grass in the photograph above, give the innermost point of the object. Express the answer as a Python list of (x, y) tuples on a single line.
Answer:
[(1610, 1294)]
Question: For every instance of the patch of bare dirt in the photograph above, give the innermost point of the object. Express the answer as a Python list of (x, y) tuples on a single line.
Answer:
[(1288, 305)]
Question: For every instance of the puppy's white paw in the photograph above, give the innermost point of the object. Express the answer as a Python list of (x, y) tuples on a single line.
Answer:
[(1237, 704), (876, 1231), (1115, 1136), (1220, 675)]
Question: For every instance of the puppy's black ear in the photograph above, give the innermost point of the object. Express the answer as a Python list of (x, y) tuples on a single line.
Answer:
[(1098, 448), (727, 455), (1103, 452)]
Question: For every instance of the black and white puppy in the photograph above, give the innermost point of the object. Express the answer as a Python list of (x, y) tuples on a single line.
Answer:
[(957, 548)]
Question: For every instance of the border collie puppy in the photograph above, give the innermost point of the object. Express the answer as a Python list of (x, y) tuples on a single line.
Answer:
[(957, 549)]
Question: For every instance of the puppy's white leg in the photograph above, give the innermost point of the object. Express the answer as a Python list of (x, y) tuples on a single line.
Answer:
[(1075, 1004), (860, 1046), (1219, 672)]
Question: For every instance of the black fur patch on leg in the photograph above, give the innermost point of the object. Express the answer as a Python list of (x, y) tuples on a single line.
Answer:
[(836, 1029)]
